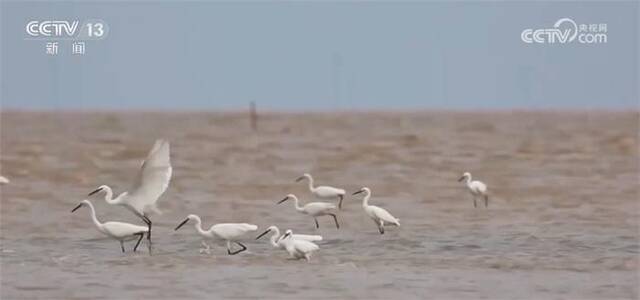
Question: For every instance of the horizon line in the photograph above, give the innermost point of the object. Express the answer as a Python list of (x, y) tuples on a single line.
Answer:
[(322, 110)]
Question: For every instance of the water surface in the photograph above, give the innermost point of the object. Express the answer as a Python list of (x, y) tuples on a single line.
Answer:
[(562, 222)]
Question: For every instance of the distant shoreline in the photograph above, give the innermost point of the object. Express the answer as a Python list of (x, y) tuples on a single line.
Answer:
[(327, 111)]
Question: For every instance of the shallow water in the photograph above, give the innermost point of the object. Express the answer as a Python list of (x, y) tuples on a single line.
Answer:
[(562, 223)]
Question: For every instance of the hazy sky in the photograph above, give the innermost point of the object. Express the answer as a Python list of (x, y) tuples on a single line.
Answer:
[(315, 55)]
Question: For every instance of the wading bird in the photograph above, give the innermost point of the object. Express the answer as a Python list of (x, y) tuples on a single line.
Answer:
[(297, 249), (152, 180), (323, 192), (379, 215), (314, 209), (278, 243), (477, 189), (230, 232), (116, 230)]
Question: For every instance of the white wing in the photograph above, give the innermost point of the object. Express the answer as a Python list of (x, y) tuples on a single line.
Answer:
[(479, 186), (232, 230), (316, 207), (384, 215), (153, 177), (328, 192), (120, 229), (307, 237), (303, 246), (247, 227)]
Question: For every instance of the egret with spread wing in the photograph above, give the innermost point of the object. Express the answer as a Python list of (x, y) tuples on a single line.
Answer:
[(152, 180)]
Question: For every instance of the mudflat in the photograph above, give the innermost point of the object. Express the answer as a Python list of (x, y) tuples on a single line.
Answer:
[(562, 223)]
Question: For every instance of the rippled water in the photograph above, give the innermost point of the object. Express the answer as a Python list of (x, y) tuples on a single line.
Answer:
[(563, 220)]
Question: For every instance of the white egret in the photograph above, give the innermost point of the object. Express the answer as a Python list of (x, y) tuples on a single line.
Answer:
[(298, 248), (314, 209), (278, 243), (116, 230), (152, 181), (476, 188), (4, 180), (379, 215), (323, 192), (230, 232)]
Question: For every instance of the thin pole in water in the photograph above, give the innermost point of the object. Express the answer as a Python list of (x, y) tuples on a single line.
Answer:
[(253, 116)]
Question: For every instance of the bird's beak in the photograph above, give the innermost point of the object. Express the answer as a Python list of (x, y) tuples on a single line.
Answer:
[(299, 178), (183, 222), (79, 205), (358, 192), (461, 178), (97, 190), (286, 235), (268, 230), (283, 200)]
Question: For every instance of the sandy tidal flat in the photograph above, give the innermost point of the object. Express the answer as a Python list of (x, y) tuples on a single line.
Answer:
[(562, 223)]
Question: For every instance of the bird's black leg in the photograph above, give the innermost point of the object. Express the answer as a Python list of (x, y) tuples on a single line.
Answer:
[(336, 220), (474, 202), (236, 252), (340, 203), (486, 201), (122, 246), (149, 247), (141, 234), (317, 225), (148, 222), (243, 247)]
